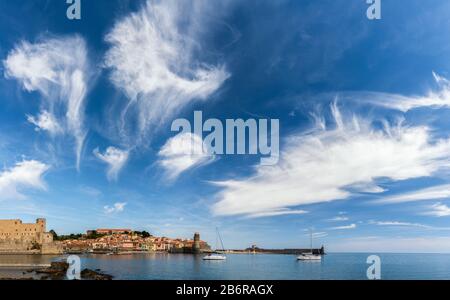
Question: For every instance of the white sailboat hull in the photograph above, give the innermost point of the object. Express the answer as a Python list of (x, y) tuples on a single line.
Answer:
[(214, 257), (309, 257)]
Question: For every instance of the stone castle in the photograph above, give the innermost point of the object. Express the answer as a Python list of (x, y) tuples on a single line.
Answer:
[(22, 238)]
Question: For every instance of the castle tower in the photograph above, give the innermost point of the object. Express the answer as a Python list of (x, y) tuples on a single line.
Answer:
[(42, 223), (196, 248)]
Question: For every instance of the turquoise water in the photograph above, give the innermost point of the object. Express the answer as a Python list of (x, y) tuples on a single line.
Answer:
[(276, 267)]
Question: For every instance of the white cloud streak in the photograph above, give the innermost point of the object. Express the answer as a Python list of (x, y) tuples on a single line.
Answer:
[(439, 210), (407, 224), (435, 99), (431, 193), (345, 227), (319, 235), (24, 175), (116, 208), (115, 158), (58, 69), (47, 122), (401, 224), (281, 212), (152, 60), (179, 154), (327, 165), (339, 219)]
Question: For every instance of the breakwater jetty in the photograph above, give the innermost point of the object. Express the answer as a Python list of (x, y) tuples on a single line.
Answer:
[(256, 250)]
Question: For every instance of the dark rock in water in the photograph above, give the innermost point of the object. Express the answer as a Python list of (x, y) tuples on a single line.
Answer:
[(56, 271), (60, 266), (93, 275)]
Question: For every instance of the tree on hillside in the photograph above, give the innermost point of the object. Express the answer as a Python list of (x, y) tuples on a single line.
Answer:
[(145, 234)]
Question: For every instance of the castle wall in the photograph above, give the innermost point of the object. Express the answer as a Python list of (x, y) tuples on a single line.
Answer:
[(15, 230), (19, 237)]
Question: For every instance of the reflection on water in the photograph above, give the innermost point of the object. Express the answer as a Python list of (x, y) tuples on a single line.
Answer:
[(249, 266), (281, 267), (25, 260)]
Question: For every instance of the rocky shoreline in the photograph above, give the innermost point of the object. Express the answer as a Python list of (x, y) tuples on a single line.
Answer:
[(58, 271)]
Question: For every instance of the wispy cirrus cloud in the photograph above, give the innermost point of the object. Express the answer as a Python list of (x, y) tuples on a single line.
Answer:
[(154, 60), (345, 227), (27, 174), (58, 69), (397, 223), (333, 164), (181, 153), (116, 208), (339, 219), (319, 235), (438, 210), (407, 224), (431, 193), (276, 213), (435, 99), (115, 158), (47, 122)]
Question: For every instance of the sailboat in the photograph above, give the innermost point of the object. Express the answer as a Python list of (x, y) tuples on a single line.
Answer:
[(310, 256), (216, 256)]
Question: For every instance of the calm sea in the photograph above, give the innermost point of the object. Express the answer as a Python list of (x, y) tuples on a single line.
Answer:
[(248, 266)]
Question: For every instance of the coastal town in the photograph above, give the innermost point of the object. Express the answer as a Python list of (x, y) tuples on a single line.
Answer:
[(127, 240), (17, 237)]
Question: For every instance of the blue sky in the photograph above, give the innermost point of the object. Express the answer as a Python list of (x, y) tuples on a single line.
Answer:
[(87, 107)]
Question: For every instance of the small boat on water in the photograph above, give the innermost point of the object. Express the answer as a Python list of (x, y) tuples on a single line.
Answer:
[(217, 255), (214, 257), (310, 256)]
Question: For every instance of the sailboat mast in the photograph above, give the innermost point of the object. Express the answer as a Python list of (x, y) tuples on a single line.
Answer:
[(220, 238), (217, 239), (311, 240)]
